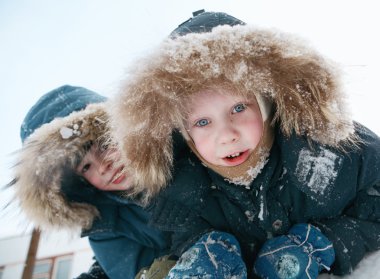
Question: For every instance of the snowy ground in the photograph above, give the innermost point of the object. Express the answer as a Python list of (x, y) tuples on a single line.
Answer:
[(368, 269)]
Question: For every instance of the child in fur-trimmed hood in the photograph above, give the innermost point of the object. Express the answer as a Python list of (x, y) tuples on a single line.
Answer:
[(66, 178), (299, 195)]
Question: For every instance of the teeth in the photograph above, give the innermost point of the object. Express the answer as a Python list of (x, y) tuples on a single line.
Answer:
[(234, 155)]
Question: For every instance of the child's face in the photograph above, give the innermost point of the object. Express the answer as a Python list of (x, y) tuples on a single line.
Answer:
[(98, 167), (225, 128)]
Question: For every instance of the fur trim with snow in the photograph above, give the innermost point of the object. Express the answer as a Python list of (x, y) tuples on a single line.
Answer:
[(303, 87), (41, 163)]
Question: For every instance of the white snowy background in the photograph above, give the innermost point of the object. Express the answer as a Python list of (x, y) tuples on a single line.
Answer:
[(47, 43)]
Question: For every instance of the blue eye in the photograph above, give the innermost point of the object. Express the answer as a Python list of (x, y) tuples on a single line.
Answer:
[(202, 123), (239, 108)]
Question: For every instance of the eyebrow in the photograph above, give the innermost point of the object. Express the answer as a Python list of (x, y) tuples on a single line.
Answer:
[(196, 117)]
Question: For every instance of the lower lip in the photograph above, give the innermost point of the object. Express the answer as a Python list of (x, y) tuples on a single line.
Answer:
[(235, 161), (119, 179)]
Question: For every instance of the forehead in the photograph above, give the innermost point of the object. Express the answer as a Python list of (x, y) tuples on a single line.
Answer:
[(213, 97)]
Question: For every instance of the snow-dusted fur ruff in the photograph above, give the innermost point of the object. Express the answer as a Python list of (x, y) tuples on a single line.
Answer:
[(40, 167), (302, 85)]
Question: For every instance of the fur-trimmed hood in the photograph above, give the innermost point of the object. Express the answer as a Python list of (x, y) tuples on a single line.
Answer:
[(302, 86), (47, 153)]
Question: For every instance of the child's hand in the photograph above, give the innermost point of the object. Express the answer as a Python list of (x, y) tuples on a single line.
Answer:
[(301, 254)]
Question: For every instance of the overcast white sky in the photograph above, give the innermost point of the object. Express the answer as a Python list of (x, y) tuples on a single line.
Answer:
[(48, 43)]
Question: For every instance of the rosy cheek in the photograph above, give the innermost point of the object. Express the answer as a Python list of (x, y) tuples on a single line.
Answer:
[(92, 178), (91, 181), (204, 147), (198, 142)]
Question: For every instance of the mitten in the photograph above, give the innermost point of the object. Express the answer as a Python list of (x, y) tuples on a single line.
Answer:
[(301, 254), (214, 255)]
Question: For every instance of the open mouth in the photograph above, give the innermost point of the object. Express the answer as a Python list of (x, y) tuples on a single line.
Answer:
[(236, 158)]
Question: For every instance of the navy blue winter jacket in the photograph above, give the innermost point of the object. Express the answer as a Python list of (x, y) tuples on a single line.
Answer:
[(336, 190)]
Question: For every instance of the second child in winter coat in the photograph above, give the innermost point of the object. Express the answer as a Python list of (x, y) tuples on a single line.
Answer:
[(288, 173), (68, 179)]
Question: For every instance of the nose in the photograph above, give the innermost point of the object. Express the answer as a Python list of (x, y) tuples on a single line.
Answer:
[(228, 133), (105, 166)]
